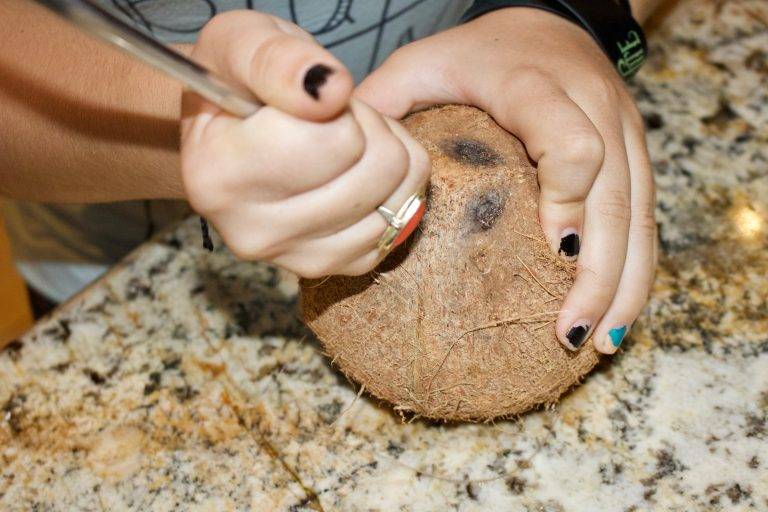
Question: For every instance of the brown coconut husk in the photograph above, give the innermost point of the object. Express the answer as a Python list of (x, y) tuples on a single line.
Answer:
[(458, 323)]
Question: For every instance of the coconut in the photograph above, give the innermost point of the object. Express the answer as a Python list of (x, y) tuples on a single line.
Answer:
[(458, 323)]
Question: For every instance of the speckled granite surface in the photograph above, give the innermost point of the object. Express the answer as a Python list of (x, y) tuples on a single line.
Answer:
[(184, 381)]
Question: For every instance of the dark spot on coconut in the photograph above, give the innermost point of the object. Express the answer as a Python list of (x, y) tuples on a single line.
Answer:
[(472, 152), (485, 209)]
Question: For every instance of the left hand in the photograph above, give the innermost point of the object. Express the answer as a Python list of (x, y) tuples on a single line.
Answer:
[(545, 80)]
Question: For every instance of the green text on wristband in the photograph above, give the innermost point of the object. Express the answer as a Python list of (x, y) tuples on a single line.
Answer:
[(632, 54)]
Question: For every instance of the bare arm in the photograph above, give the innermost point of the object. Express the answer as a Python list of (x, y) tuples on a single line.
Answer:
[(80, 122)]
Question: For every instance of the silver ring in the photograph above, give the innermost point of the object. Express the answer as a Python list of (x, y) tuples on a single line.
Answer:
[(390, 217), (396, 222)]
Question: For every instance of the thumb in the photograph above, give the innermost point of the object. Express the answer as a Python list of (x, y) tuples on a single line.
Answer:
[(283, 66), (402, 85)]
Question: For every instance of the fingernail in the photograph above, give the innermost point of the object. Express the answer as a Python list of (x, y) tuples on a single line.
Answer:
[(577, 334), (315, 79), (617, 335), (569, 244)]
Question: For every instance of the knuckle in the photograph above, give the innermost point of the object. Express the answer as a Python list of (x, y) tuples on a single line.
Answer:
[(606, 88), (421, 164), (584, 147), (404, 54), (616, 211), (342, 141), (203, 193), (211, 35), (210, 30), (241, 250), (390, 151), (560, 205), (399, 56), (644, 221), (345, 140), (602, 288), (209, 178), (316, 268), (266, 54), (202, 202), (360, 268), (246, 245), (528, 76)]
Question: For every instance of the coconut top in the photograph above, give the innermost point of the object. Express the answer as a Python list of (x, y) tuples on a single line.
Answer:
[(458, 323)]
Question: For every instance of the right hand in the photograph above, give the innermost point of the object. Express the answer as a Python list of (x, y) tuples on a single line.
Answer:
[(297, 183)]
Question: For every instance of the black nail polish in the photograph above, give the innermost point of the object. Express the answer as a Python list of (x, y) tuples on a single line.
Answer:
[(570, 245), (315, 79), (576, 335), (207, 242)]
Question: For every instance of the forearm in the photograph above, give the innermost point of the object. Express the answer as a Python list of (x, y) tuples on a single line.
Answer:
[(80, 122), (642, 9)]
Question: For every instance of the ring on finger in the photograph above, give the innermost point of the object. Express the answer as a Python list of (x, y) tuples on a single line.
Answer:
[(400, 225)]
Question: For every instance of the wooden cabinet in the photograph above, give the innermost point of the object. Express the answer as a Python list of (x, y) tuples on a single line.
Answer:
[(15, 313)]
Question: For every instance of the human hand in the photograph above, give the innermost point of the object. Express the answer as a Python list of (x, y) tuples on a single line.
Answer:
[(297, 183), (545, 80)]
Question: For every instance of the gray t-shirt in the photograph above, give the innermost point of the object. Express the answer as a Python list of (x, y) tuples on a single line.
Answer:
[(60, 248)]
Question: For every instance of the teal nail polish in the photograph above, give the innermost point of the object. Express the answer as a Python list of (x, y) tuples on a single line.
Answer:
[(617, 335)]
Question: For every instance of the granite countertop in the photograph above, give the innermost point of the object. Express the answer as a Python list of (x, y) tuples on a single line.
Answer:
[(184, 380)]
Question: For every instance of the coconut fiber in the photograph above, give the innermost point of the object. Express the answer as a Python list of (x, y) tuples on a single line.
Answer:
[(458, 323)]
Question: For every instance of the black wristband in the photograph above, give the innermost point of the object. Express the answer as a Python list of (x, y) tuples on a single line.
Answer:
[(609, 22)]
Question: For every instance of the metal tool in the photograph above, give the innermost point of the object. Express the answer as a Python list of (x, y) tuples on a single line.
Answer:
[(101, 23)]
